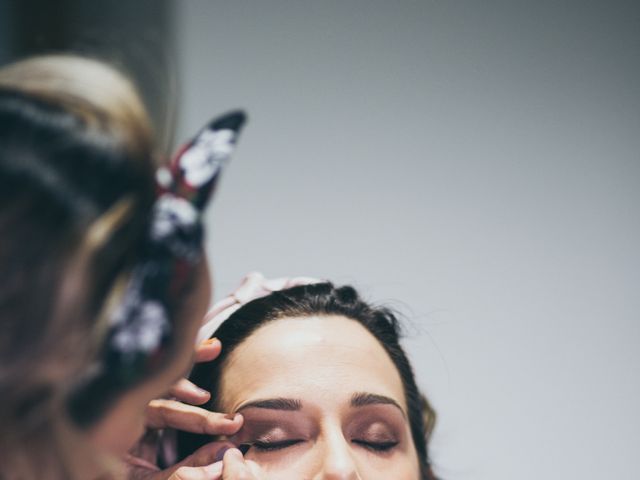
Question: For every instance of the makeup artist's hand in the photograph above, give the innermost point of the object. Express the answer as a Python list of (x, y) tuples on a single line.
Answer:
[(200, 465), (182, 413), (235, 467)]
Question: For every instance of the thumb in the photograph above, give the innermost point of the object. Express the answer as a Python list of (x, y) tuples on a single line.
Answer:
[(235, 467), (203, 464), (209, 472)]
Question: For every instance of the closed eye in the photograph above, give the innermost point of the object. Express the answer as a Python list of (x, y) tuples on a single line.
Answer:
[(376, 446), (266, 446)]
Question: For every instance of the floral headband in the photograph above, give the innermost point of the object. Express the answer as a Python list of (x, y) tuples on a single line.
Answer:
[(140, 327)]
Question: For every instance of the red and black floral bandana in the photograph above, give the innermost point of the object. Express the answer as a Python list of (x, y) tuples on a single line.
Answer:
[(141, 327)]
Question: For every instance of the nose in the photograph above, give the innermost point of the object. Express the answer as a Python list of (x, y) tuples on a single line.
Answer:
[(338, 462)]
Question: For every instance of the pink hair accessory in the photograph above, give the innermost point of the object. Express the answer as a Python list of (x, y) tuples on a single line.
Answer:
[(253, 285)]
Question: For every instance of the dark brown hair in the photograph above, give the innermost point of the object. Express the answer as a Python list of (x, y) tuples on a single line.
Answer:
[(307, 301)]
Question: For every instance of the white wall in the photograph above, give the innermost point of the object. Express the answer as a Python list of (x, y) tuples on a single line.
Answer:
[(474, 163)]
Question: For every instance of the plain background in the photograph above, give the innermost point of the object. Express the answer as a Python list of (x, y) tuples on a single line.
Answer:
[(475, 165)]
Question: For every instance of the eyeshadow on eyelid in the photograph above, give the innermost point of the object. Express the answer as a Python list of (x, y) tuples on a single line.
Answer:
[(273, 427), (378, 427), (272, 436), (377, 431)]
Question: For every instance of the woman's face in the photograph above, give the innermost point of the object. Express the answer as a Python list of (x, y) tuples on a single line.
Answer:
[(321, 399)]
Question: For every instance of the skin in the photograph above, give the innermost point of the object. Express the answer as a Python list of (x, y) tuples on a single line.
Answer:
[(321, 399)]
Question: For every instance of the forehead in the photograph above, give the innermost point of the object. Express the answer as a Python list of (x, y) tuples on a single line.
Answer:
[(320, 359)]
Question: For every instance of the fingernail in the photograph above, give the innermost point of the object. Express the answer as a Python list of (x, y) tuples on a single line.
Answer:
[(220, 453), (244, 448), (211, 341), (215, 469), (199, 391), (231, 416)]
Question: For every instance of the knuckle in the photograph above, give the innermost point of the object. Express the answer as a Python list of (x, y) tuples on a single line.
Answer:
[(206, 421), (181, 473), (212, 420), (241, 472)]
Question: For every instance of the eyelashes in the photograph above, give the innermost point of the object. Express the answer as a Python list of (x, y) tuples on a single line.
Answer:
[(377, 446), (272, 446)]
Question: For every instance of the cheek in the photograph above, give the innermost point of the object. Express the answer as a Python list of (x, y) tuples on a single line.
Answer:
[(119, 430), (188, 321)]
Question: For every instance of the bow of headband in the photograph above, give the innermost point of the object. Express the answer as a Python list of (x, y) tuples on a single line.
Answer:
[(140, 327)]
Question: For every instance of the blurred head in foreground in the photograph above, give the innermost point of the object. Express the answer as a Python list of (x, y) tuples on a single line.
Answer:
[(77, 191)]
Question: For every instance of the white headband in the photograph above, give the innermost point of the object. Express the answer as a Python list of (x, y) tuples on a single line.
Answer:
[(253, 285)]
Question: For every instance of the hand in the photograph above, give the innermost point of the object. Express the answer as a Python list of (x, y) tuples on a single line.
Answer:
[(232, 467), (202, 464), (235, 467), (182, 414)]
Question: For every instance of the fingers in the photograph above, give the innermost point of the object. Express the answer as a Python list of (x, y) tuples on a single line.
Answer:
[(163, 413), (236, 468), (186, 391), (210, 453), (233, 466), (209, 472), (204, 463), (208, 350)]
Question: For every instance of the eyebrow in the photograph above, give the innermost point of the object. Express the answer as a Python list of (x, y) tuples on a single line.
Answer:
[(359, 399), (287, 404), (362, 399)]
